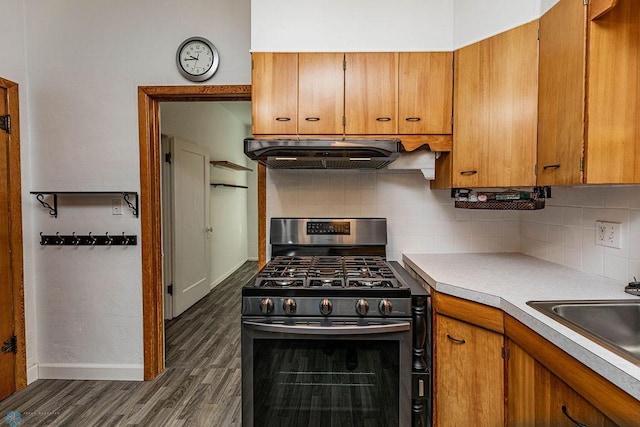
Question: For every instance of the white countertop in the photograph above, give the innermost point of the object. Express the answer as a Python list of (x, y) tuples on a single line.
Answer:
[(508, 280)]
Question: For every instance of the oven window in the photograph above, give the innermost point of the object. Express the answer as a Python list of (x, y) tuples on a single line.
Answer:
[(301, 382)]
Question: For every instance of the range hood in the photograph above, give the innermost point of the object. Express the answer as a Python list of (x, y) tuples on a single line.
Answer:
[(341, 153)]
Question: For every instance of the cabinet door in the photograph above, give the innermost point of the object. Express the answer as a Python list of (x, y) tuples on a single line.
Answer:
[(274, 93), (425, 89), (536, 396), (371, 92), (561, 95), (321, 93), (495, 110), (613, 145), (469, 375)]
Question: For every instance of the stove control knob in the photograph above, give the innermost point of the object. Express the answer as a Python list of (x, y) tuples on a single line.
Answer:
[(385, 307), (289, 306), (326, 307), (362, 307), (266, 306)]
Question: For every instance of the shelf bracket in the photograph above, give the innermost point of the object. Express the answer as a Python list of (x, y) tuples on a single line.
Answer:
[(133, 207), (53, 210)]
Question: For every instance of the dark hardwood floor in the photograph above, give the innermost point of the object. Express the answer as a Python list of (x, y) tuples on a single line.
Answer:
[(200, 387)]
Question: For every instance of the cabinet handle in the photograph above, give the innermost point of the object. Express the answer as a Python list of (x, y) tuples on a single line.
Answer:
[(455, 340), (566, 414), (312, 119), (556, 166), (283, 119), (468, 172), (384, 119), (413, 119)]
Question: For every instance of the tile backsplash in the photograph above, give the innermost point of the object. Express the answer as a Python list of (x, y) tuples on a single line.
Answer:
[(424, 220), (419, 219), (565, 231)]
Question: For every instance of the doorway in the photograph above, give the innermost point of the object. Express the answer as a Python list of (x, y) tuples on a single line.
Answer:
[(149, 99), (12, 335)]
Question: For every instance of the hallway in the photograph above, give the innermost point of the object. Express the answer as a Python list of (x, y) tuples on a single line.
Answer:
[(201, 385)]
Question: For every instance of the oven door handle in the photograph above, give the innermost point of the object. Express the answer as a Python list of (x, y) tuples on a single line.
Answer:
[(329, 330)]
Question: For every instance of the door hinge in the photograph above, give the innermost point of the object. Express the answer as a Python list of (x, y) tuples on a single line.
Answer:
[(170, 289), (586, 2), (581, 164), (5, 123), (538, 33), (506, 353), (167, 158), (10, 345), (535, 169)]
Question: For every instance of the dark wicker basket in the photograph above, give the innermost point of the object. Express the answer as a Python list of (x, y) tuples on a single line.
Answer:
[(510, 205)]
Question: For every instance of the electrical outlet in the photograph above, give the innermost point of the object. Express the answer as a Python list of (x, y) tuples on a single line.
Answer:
[(608, 234), (116, 206)]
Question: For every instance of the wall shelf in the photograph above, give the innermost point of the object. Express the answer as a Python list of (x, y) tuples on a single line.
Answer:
[(53, 210), (220, 184), (229, 165)]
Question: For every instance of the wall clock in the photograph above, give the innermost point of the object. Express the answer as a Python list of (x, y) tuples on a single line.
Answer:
[(197, 59)]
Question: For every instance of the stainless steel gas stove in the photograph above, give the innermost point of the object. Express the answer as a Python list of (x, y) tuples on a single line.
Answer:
[(331, 329)]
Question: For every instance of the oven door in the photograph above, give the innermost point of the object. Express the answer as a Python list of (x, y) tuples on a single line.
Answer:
[(338, 372)]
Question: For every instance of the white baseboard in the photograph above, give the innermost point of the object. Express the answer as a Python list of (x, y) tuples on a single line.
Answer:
[(90, 371), (226, 274), (32, 374)]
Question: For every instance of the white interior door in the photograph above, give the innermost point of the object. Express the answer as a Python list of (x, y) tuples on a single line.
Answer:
[(190, 214)]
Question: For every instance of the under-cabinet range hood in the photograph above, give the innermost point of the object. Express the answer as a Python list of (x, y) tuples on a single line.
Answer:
[(341, 153)]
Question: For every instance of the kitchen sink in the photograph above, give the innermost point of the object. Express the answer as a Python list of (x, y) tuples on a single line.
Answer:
[(614, 324)]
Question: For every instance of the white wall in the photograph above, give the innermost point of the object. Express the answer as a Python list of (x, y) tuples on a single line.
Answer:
[(13, 66), (86, 61), (564, 232), (419, 220), (351, 25), (210, 125), (477, 20)]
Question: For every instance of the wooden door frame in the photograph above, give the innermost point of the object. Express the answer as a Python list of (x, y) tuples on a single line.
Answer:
[(149, 98), (15, 237)]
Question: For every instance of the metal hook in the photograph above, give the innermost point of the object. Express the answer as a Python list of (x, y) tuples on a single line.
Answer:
[(59, 239), (43, 240), (92, 238), (76, 239), (109, 238), (125, 239)]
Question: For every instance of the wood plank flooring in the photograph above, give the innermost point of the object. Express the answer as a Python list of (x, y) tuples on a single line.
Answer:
[(201, 385)]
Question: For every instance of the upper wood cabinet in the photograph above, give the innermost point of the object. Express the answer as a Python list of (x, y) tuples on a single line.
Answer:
[(495, 110), (589, 95), (321, 93), (371, 93), (274, 93), (425, 93), (390, 93)]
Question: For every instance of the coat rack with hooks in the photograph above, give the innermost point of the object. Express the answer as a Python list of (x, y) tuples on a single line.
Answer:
[(90, 239), (53, 210)]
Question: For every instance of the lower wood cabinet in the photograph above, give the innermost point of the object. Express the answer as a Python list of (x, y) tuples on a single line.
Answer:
[(537, 397), (469, 375)]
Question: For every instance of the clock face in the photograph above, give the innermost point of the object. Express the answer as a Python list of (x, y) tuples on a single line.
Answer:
[(197, 59)]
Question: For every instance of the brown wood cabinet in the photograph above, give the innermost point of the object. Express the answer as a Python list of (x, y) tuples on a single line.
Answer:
[(408, 94), (274, 93), (537, 397), (589, 93), (495, 112), (371, 93), (468, 364), (425, 93), (321, 93)]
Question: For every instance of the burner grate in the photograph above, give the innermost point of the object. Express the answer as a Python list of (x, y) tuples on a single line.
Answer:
[(327, 272)]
